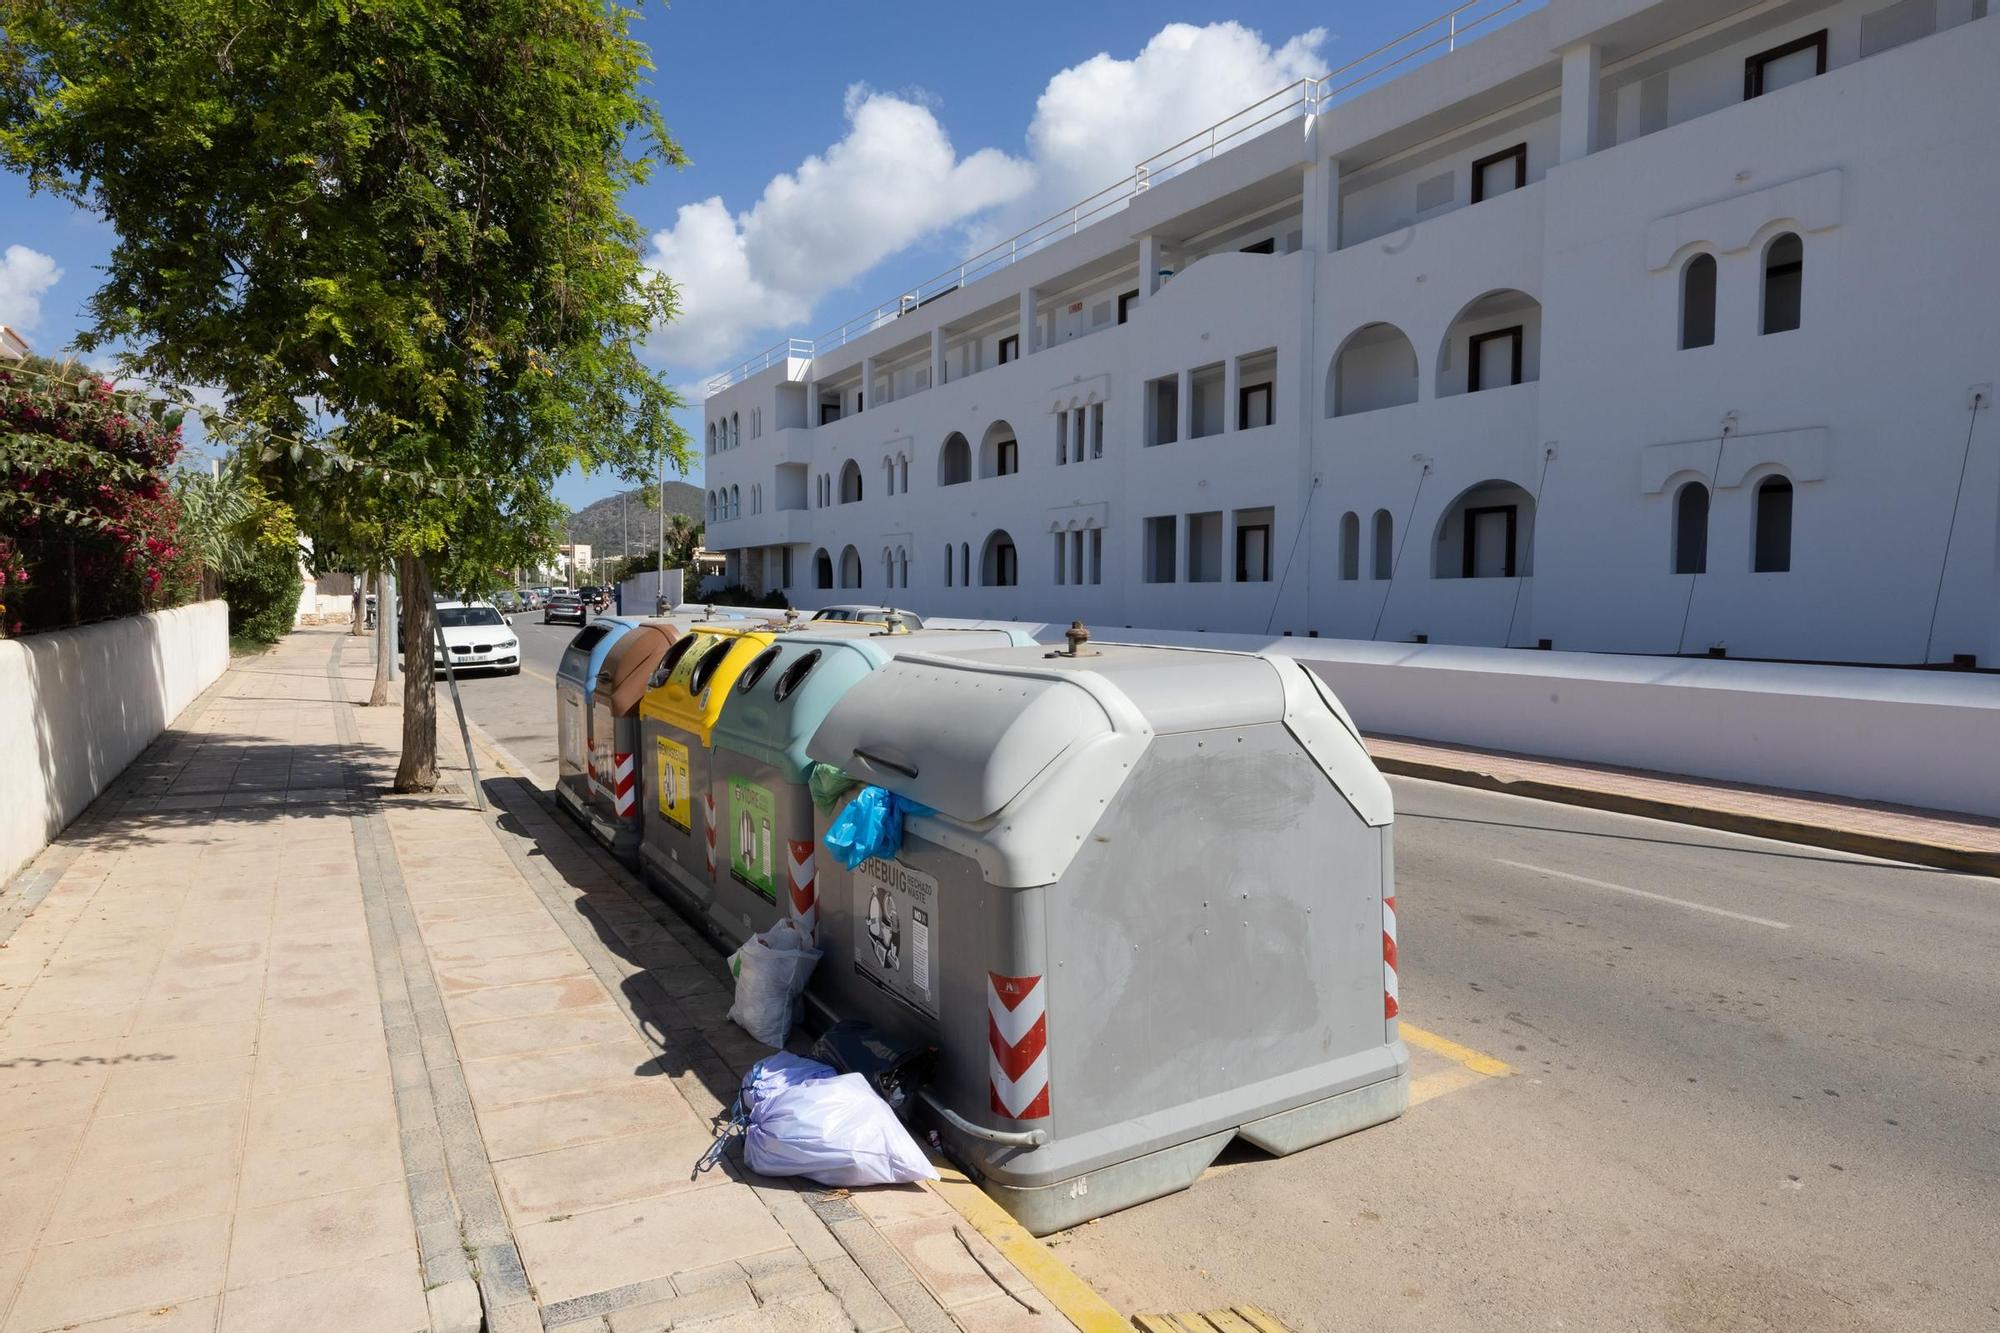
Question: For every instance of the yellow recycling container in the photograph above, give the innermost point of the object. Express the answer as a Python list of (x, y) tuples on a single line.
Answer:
[(676, 723)]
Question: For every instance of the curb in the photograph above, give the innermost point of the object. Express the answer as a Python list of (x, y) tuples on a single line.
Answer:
[(1940, 856)]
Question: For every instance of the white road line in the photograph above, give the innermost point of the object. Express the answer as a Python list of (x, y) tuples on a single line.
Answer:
[(1643, 893)]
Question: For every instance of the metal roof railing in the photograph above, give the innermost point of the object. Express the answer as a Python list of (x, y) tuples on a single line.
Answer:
[(1294, 101)]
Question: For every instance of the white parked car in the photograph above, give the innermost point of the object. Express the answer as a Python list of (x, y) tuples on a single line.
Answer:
[(478, 637)]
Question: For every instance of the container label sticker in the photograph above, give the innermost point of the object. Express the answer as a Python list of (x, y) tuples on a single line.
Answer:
[(895, 916), (751, 860), (569, 730), (676, 800)]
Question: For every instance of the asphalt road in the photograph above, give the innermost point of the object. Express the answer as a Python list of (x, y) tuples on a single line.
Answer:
[(1754, 1087)]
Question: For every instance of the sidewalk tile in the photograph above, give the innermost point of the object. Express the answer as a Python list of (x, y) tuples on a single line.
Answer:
[(288, 1067), (327, 1231), (541, 1032), (281, 1172), (561, 1122), (165, 1085), (305, 1116), (593, 1175), (108, 1200), (378, 1298), (553, 1073), (115, 1142), (532, 997), (627, 1243), (543, 966), (134, 1270), (66, 1101)]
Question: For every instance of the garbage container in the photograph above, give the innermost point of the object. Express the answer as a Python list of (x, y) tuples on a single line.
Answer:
[(684, 696), (765, 863), (1149, 915), (612, 810), (576, 675)]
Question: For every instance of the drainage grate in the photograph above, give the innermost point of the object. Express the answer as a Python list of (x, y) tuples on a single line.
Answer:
[(1236, 1319)]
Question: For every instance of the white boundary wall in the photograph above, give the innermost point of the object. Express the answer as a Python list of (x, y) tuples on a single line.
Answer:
[(78, 705), (1921, 738)]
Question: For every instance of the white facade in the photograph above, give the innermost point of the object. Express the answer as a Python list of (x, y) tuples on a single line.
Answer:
[(1622, 327)]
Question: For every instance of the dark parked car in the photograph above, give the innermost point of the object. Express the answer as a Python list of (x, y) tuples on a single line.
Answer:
[(566, 607), (594, 597), (509, 602)]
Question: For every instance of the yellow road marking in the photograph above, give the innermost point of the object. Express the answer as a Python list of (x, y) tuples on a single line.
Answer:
[(527, 670), (1478, 1062), (1071, 1295)]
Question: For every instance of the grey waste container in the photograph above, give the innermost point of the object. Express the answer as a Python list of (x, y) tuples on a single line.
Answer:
[(613, 808), (768, 867), (1147, 917), (576, 677)]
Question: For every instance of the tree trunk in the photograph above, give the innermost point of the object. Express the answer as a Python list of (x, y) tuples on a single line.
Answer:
[(385, 647), (418, 769)]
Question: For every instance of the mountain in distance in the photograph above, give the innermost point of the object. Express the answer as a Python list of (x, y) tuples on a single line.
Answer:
[(599, 525)]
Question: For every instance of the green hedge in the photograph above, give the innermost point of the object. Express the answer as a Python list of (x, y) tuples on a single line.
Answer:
[(264, 595)]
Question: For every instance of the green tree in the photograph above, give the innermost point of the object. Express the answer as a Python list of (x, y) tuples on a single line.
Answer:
[(391, 233)]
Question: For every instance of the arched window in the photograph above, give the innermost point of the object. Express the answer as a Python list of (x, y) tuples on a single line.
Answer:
[(1784, 283), (735, 429), (1488, 532), (711, 437), (903, 474), (850, 568), (954, 460), (889, 476), (999, 565), (999, 451), (822, 569), (902, 567), (735, 501), (1384, 543), (1773, 537), (888, 568), (1375, 368), (1494, 342), (1350, 545), (965, 564), (1698, 302), (708, 507), (1691, 529), (850, 482), (947, 565)]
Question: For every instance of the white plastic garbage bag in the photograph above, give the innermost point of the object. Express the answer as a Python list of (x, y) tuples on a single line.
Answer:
[(771, 970), (835, 1131), (778, 1073)]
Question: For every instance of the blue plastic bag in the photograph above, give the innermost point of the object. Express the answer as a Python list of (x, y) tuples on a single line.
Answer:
[(871, 825)]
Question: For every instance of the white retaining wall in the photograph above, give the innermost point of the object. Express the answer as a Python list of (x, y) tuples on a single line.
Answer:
[(78, 705), (1922, 738)]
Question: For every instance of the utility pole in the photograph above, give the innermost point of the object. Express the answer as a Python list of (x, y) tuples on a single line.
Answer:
[(660, 547)]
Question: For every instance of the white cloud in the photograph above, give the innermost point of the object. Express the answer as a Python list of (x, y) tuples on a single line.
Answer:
[(24, 276), (1095, 120), (895, 180)]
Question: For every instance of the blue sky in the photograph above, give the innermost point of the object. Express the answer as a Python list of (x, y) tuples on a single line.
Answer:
[(842, 152)]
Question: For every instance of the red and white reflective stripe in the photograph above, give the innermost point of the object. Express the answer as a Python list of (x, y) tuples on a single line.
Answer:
[(708, 812), (1017, 1031), (1390, 1008), (804, 886), (626, 799)]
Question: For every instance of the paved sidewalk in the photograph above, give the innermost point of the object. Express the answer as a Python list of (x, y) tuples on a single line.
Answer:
[(1926, 837), (280, 1050)]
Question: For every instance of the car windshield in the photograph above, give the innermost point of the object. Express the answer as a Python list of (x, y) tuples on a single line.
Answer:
[(459, 617)]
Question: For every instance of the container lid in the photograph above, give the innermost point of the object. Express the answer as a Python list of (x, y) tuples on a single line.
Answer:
[(786, 690), (584, 657), (621, 681), (700, 675), (1020, 750)]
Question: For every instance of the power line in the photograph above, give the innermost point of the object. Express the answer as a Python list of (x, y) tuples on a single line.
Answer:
[(1937, 598), (1396, 561), (1521, 579), (1304, 515), (1714, 480)]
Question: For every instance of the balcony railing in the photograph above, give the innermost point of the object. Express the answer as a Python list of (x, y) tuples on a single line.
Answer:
[(1295, 101)]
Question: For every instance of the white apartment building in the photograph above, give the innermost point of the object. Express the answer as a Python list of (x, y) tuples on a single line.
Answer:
[(1607, 325)]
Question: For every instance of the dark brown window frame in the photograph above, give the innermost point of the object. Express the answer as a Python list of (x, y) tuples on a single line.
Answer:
[(1753, 66), (1243, 551), (1513, 513), (1243, 421), (1125, 300), (1519, 152), (1478, 340), (1267, 246), (1006, 458), (1010, 348)]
